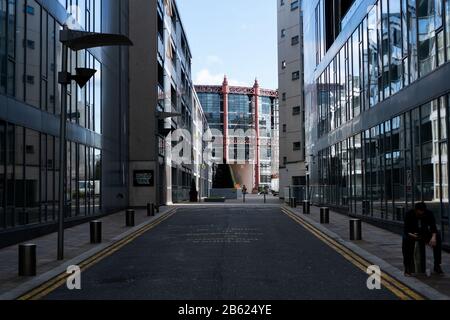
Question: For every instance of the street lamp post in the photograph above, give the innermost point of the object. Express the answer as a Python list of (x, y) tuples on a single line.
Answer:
[(76, 41), (62, 154)]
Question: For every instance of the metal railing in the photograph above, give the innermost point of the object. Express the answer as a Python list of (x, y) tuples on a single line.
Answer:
[(298, 192), (180, 194)]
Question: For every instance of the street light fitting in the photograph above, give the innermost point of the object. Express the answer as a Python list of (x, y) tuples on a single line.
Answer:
[(82, 76), (80, 40), (75, 40)]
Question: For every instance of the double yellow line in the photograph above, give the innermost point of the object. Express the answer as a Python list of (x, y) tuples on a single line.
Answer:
[(54, 283), (396, 287)]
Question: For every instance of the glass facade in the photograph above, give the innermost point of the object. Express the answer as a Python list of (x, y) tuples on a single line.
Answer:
[(241, 119), (240, 112), (397, 43), (30, 58), (386, 169), (30, 55), (29, 172), (378, 100), (267, 118), (212, 104)]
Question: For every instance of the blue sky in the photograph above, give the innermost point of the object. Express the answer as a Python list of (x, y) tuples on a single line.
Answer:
[(233, 37)]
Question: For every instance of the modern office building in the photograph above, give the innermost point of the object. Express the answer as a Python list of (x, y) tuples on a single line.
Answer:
[(30, 104), (377, 99), (293, 170), (162, 100), (233, 111)]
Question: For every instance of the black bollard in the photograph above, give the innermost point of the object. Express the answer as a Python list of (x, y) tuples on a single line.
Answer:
[(27, 260), (306, 207), (130, 218), (96, 231), (150, 209), (324, 215), (355, 229)]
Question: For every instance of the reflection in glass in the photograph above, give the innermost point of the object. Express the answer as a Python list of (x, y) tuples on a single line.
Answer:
[(447, 26), (32, 179), (427, 42), (82, 183), (97, 180), (373, 56), (98, 97), (395, 39), (19, 187)]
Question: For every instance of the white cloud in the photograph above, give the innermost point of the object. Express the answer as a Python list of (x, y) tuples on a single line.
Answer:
[(205, 77), (214, 60)]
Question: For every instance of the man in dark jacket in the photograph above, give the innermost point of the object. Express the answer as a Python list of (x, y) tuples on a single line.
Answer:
[(420, 225)]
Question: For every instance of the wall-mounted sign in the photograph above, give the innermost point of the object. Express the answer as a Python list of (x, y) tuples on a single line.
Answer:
[(143, 178)]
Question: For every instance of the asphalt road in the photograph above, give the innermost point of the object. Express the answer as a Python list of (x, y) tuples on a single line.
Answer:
[(225, 253)]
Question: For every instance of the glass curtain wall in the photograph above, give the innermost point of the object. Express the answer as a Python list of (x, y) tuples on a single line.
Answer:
[(30, 57), (398, 42), (29, 172), (383, 171)]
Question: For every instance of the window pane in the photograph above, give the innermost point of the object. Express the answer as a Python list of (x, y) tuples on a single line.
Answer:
[(81, 92), (427, 41), (395, 38), (447, 25), (98, 97), (373, 57), (428, 135), (20, 52), (32, 183), (82, 179), (98, 180), (33, 48), (2, 171), (385, 35), (3, 54), (98, 15), (51, 73), (43, 178), (412, 29), (51, 183), (74, 179)]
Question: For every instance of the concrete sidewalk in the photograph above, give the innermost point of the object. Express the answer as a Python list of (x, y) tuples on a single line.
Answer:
[(381, 244), (77, 248)]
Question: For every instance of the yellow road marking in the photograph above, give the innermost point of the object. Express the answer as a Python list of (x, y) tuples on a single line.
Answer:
[(54, 283), (395, 286)]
